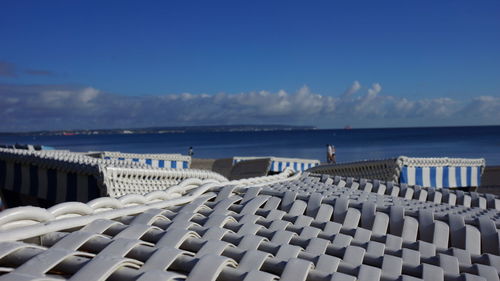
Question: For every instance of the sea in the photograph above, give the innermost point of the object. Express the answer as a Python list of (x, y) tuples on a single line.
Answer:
[(351, 144)]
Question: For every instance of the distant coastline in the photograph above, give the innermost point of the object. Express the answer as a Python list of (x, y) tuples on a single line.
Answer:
[(164, 130)]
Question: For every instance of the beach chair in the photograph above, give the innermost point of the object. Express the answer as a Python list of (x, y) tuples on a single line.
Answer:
[(279, 164), (160, 160), (427, 172), (121, 181), (250, 168), (45, 178), (293, 229)]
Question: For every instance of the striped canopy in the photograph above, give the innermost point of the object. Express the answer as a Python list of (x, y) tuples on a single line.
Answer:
[(441, 177), (279, 164), (174, 161)]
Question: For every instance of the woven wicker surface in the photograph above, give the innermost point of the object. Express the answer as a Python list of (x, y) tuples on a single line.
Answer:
[(27, 173), (439, 162), (448, 196), (386, 170), (392, 169), (301, 229), (122, 181), (166, 156)]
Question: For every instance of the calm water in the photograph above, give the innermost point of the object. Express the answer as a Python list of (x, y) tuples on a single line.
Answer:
[(351, 145)]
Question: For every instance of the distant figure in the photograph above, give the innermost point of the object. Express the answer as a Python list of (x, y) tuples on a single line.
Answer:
[(330, 154), (334, 159), (190, 151)]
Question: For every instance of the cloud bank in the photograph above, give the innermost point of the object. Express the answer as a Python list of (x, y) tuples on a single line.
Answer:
[(54, 107)]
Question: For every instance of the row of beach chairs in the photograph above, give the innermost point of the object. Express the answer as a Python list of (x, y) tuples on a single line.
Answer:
[(286, 227), (48, 177), (440, 172)]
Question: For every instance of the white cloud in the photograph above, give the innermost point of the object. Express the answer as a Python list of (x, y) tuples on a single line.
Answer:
[(374, 90), (356, 86), (62, 107)]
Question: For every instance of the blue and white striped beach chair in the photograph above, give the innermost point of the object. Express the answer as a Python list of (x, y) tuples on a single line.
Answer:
[(279, 164), (174, 161), (441, 172), (53, 177), (426, 172), (47, 178)]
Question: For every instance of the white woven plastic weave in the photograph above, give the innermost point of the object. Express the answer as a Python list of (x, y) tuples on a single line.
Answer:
[(294, 230), (122, 181), (387, 169)]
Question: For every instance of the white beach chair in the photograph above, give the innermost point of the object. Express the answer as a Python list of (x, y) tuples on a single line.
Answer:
[(159, 160), (427, 172), (279, 164)]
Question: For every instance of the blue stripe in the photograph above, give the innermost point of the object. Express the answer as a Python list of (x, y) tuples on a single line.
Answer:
[(419, 178), (17, 177), (173, 164), (121, 158), (161, 163), (3, 172), (433, 176), (71, 191), (478, 176), (295, 166), (148, 161), (404, 175), (51, 185), (93, 191), (280, 168), (135, 159), (185, 164), (33, 180), (288, 164), (469, 176), (302, 168), (446, 177), (107, 157), (458, 176)]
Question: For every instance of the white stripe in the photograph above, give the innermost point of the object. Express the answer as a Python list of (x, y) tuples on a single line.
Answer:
[(9, 176), (82, 186), (463, 178), (154, 163), (426, 175), (25, 179), (474, 174), (439, 177), (451, 177), (143, 161), (61, 187), (274, 166), (411, 175), (42, 183)]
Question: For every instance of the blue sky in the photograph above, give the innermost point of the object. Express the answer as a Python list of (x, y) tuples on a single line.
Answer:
[(423, 52)]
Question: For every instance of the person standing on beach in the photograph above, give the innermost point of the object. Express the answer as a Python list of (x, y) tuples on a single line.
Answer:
[(334, 160), (190, 151), (330, 154)]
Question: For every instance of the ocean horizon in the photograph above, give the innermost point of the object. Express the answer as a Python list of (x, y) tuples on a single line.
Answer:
[(351, 145)]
